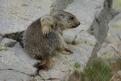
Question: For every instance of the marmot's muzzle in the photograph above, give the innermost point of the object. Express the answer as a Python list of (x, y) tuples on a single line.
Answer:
[(76, 25)]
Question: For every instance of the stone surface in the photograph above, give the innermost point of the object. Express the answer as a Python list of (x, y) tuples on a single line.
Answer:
[(16, 15), (16, 60), (8, 42), (117, 5), (112, 44), (116, 77), (8, 75)]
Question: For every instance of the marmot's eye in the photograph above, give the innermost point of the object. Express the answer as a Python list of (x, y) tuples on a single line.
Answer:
[(71, 18), (51, 26), (61, 14)]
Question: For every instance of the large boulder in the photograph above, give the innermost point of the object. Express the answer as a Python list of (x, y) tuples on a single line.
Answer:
[(15, 64)]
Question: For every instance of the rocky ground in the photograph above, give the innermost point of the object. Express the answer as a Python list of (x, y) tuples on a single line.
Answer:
[(16, 15)]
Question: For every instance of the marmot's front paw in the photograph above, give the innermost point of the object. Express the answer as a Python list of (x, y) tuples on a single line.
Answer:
[(68, 50), (46, 30), (48, 23)]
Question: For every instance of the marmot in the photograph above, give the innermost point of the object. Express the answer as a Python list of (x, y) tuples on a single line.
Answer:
[(43, 37)]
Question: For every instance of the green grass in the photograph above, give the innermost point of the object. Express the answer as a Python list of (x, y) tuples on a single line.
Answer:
[(117, 4), (2, 48), (98, 70), (77, 66)]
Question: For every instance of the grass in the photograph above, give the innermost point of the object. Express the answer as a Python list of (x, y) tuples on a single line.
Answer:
[(77, 66), (98, 70), (2, 48), (117, 4)]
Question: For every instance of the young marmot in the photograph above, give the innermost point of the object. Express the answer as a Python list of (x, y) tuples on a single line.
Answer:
[(43, 37)]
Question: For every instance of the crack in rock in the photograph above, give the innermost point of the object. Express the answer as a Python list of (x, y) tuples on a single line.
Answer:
[(18, 71)]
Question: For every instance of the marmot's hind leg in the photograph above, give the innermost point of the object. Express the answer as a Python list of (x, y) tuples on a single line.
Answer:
[(63, 45), (45, 64)]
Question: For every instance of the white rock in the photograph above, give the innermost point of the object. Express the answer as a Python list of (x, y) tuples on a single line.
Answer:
[(8, 42), (0, 38), (115, 29), (16, 15), (116, 76), (9, 75), (112, 44), (69, 35), (117, 5), (15, 58)]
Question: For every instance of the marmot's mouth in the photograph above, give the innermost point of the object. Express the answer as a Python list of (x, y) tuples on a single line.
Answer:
[(75, 25)]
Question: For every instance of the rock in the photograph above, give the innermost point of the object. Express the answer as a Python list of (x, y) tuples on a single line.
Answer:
[(115, 64), (16, 15), (112, 45), (15, 59), (9, 75), (99, 27), (116, 77), (0, 38), (57, 4), (117, 5), (82, 37), (114, 31), (69, 35), (8, 42), (85, 38)]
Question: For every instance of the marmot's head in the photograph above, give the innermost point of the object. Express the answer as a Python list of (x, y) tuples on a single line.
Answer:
[(48, 24), (65, 19)]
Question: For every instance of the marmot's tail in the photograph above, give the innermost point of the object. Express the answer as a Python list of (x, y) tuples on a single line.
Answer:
[(18, 36)]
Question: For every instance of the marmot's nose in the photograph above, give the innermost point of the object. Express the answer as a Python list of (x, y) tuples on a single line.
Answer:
[(78, 23)]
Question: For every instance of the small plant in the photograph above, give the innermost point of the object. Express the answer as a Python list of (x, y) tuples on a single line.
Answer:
[(76, 75), (2, 48), (77, 67), (98, 70)]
